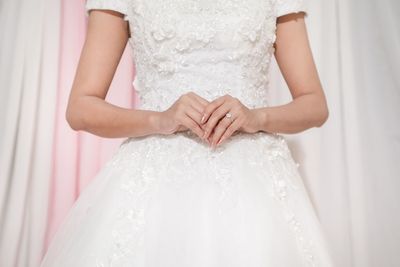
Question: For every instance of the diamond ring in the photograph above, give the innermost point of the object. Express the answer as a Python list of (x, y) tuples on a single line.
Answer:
[(229, 115)]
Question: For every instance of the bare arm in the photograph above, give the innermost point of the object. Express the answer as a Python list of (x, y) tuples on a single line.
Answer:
[(87, 109), (294, 57)]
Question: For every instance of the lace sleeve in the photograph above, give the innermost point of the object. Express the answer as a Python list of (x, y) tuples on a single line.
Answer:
[(283, 7), (120, 6)]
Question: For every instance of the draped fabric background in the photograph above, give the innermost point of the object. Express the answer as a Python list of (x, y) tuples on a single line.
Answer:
[(29, 45), (350, 165)]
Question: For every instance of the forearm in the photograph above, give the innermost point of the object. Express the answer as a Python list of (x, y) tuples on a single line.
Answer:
[(94, 115), (304, 112)]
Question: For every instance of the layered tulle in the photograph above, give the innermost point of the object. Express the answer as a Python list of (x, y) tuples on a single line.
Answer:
[(174, 201)]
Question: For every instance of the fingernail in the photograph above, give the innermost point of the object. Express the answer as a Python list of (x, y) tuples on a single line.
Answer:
[(204, 135), (202, 118)]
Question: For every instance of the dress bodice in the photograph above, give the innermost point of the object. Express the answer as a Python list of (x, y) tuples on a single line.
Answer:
[(211, 47)]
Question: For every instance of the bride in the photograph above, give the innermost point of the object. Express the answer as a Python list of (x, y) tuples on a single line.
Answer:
[(204, 178)]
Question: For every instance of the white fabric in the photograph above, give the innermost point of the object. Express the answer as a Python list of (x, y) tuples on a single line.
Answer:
[(28, 79), (283, 7), (120, 6), (172, 200)]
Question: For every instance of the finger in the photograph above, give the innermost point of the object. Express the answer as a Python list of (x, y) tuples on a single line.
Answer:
[(219, 130), (199, 104), (232, 128), (215, 117), (193, 122), (199, 107), (192, 125), (210, 108), (201, 100), (193, 97), (193, 114)]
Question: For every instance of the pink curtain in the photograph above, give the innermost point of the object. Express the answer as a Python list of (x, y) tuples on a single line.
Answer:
[(78, 156)]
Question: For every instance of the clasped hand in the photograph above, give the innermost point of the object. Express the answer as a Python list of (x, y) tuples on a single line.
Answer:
[(208, 119)]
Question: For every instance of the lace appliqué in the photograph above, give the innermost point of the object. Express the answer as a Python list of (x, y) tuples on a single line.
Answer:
[(284, 170), (269, 153), (178, 45), (136, 182)]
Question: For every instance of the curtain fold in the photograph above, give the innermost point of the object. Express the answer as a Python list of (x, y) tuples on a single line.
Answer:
[(375, 30), (29, 52)]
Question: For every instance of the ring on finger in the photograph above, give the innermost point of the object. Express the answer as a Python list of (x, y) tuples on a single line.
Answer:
[(229, 116)]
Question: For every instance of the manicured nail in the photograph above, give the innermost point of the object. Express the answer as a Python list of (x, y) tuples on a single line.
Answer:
[(204, 135), (202, 118), (220, 141)]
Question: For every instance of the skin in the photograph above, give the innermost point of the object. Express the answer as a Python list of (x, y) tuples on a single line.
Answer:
[(87, 109)]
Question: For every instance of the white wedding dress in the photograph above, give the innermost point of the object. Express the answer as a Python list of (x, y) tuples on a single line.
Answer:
[(171, 200)]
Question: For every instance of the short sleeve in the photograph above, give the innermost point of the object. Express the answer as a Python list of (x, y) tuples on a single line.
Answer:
[(284, 7), (120, 6)]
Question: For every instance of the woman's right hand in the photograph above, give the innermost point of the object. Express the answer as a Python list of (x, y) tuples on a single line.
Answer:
[(184, 114)]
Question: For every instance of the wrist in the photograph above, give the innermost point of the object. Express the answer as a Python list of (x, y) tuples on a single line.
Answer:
[(154, 120), (261, 115)]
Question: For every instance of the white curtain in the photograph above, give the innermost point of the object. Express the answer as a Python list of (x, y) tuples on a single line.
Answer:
[(351, 165), (28, 81)]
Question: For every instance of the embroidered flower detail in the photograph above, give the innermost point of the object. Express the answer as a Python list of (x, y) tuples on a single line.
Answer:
[(162, 32)]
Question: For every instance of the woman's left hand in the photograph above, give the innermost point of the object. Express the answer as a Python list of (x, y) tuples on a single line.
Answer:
[(218, 127)]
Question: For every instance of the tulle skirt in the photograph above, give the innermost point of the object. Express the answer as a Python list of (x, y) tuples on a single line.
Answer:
[(172, 201)]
